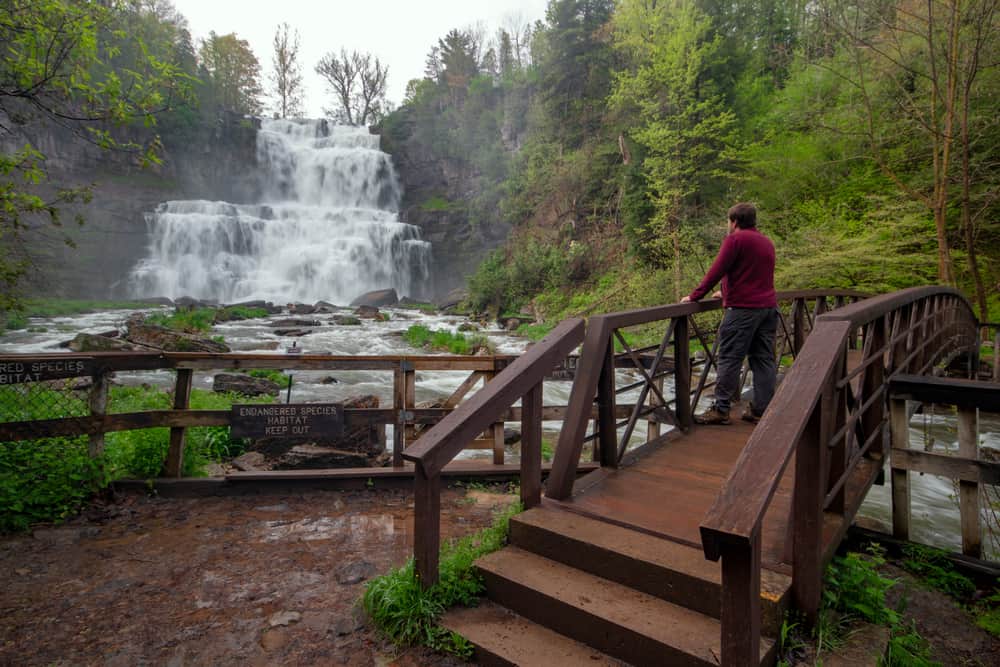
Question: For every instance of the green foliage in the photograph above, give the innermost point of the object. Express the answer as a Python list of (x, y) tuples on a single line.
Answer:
[(232, 313), (59, 64), (196, 320), (436, 204), (935, 570), (274, 376), (407, 614), (988, 614), (45, 480), (419, 335)]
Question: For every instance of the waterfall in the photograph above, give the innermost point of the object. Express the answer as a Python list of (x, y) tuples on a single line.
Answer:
[(326, 228)]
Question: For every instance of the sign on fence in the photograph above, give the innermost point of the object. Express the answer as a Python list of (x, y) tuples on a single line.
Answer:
[(297, 420), (15, 372)]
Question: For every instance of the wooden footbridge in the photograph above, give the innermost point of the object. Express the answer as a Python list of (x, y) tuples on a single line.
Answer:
[(685, 548), (688, 549)]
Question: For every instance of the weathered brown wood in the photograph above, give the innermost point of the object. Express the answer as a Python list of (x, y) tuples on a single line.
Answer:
[(652, 424), (900, 428), (426, 526), (98, 401), (607, 438), (578, 413), (807, 508), (996, 356), (682, 373), (741, 504), (947, 391), (409, 403), (531, 447), (968, 492), (874, 377), (182, 397), (399, 416), (741, 604), (952, 467), (446, 439), (463, 389), (798, 325)]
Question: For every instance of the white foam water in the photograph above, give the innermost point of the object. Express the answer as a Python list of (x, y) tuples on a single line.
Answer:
[(326, 228)]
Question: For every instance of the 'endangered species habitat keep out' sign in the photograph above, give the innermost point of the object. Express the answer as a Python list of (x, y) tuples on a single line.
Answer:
[(299, 420), (15, 372)]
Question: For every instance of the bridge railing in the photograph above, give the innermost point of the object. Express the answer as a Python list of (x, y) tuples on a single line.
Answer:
[(521, 380), (608, 346), (830, 412)]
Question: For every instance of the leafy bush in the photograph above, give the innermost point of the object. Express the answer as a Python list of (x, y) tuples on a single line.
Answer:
[(934, 569), (231, 313), (45, 480), (407, 614), (193, 321), (419, 335)]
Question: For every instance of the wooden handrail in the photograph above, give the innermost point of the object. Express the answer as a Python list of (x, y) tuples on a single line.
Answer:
[(521, 379), (740, 506), (440, 444), (815, 394)]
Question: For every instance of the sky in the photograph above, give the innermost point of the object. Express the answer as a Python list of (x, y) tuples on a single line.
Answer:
[(400, 33)]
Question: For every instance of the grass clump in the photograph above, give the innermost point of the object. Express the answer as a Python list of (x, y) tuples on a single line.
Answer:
[(196, 320), (935, 570), (275, 376), (854, 591), (442, 340), (407, 614)]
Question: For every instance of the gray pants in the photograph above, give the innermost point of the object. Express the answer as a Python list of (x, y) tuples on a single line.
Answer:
[(746, 332)]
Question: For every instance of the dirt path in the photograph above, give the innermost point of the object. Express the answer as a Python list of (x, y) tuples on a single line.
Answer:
[(262, 580)]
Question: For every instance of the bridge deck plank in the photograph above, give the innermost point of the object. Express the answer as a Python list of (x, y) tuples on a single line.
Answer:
[(667, 492)]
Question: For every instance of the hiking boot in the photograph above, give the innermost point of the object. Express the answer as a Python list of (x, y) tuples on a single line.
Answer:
[(751, 415), (712, 416)]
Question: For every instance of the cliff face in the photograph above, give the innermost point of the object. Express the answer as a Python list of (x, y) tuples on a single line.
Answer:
[(217, 163)]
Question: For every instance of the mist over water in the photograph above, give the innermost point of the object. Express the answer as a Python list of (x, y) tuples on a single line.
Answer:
[(326, 228)]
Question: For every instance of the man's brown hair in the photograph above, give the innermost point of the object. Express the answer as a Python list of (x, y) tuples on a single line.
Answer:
[(744, 215)]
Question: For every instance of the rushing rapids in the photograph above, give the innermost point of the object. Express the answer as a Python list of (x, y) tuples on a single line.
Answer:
[(326, 227)]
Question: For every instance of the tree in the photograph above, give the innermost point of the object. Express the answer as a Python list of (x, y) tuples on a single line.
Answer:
[(232, 73), (685, 125), (53, 72), (286, 79), (911, 68), (358, 83)]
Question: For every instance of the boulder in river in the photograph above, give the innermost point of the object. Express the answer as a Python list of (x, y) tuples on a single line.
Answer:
[(294, 322), (377, 298), (452, 300), (247, 385), (301, 309), (168, 340), (368, 312), (346, 320), (85, 342)]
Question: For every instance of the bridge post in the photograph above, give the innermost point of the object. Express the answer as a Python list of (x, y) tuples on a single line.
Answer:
[(900, 427), (741, 603), (807, 508), (399, 410), (873, 383), (798, 325), (98, 403), (607, 432), (682, 373), (531, 447), (426, 526), (968, 447)]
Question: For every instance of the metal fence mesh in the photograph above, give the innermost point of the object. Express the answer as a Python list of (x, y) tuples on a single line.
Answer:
[(51, 399)]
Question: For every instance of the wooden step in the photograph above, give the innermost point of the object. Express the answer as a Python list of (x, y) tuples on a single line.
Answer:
[(501, 637), (665, 569), (620, 621)]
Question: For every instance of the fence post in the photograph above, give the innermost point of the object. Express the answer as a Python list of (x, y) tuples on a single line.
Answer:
[(798, 325), (900, 427), (807, 509), (531, 447), (98, 401), (968, 504), (398, 408), (496, 431), (182, 398), (996, 356)]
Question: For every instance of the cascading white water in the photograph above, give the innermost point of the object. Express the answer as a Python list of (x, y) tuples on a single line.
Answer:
[(327, 228)]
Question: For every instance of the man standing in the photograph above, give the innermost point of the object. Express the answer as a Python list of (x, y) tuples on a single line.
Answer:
[(745, 264)]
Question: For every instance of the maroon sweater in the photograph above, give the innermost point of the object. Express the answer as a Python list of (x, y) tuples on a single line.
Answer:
[(745, 264)]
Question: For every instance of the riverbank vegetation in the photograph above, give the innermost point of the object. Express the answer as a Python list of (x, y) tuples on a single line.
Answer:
[(407, 614), (442, 340), (51, 478)]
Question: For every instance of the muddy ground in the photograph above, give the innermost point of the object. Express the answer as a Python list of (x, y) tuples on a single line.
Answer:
[(261, 580)]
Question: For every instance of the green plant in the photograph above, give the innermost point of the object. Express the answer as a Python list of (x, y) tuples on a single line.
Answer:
[(907, 648), (195, 320), (419, 335), (274, 376), (231, 313), (407, 614), (988, 614), (934, 569)]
